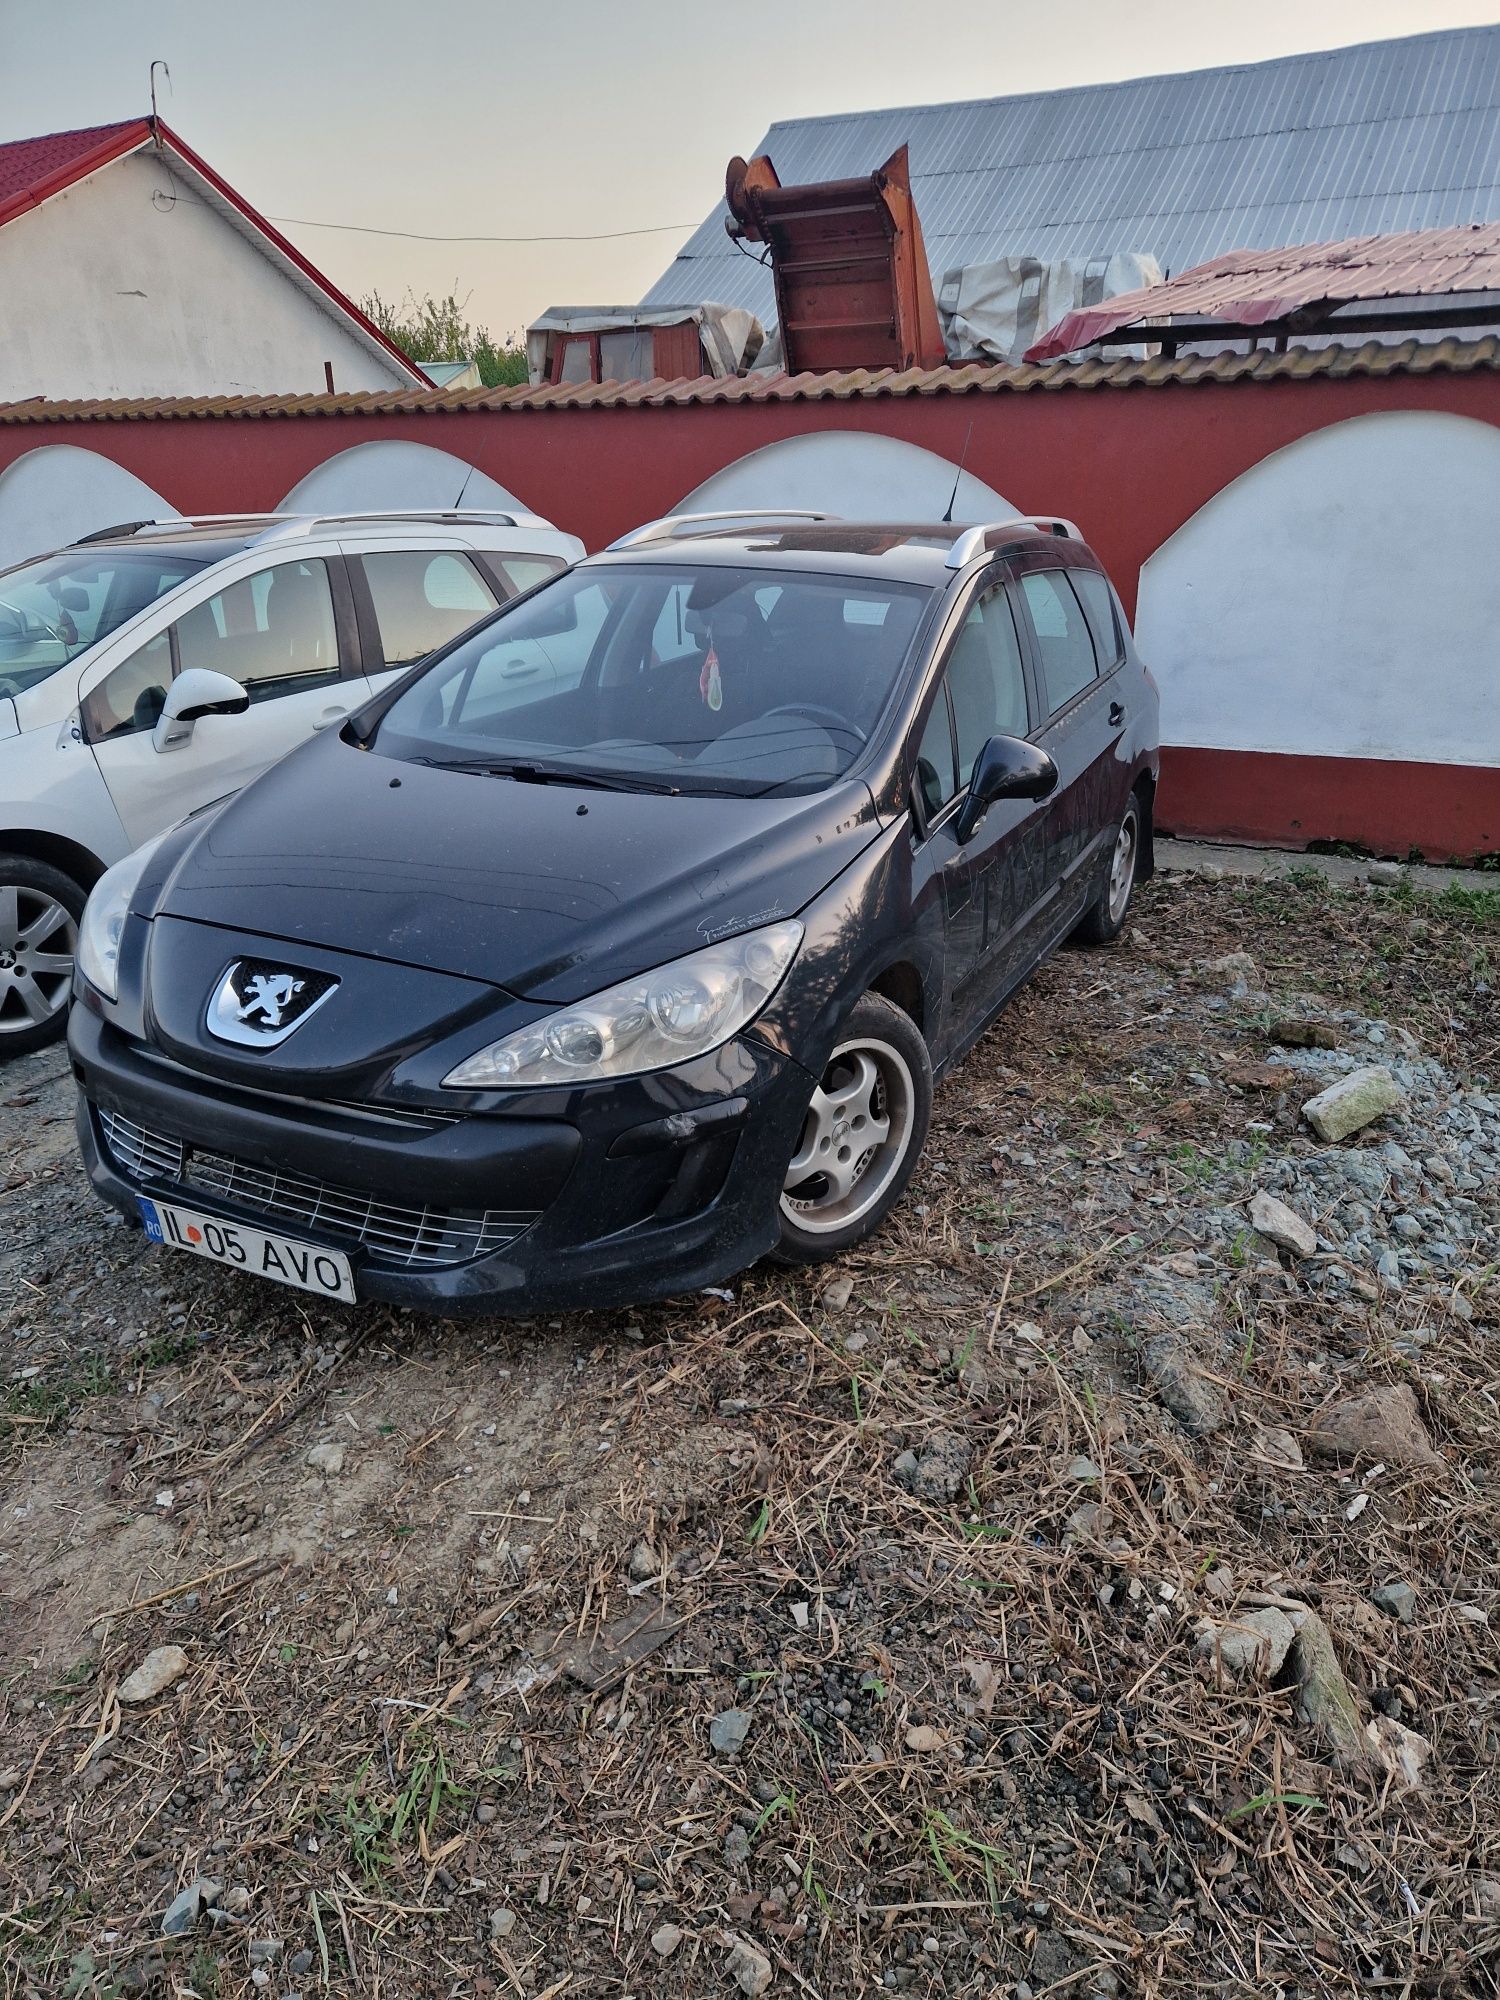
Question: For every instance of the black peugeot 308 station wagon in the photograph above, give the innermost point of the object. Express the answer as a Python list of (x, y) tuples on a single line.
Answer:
[(619, 944)]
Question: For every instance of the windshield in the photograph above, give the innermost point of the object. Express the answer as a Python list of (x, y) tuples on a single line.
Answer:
[(55, 608), (666, 678)]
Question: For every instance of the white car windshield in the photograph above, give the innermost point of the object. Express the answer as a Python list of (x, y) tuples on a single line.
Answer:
[(55, 608), (708, 679)]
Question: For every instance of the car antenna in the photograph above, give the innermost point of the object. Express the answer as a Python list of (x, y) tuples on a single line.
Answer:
[(962, 461), (464, 488)]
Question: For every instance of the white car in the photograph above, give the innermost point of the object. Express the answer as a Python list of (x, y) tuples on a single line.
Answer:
[(154, 667)]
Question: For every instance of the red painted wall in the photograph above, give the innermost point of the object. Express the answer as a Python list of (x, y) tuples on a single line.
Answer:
[(1129, 465)]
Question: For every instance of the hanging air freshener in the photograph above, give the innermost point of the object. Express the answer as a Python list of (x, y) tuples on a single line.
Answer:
[(709, 684)]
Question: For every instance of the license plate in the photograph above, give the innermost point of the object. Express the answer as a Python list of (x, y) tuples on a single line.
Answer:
[(306, 1265)]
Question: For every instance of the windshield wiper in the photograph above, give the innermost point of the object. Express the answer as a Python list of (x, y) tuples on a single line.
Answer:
[(551, 774)]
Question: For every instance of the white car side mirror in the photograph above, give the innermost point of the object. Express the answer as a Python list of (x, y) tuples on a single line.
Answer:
[(196, 693)]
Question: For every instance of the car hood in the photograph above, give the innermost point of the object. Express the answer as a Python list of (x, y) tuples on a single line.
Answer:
[(548, 891)]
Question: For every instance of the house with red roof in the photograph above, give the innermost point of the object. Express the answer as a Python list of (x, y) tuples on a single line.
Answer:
[(128, 267)]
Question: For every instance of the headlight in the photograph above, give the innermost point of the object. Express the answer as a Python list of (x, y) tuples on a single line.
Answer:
[(104, 919), (664, 1017)]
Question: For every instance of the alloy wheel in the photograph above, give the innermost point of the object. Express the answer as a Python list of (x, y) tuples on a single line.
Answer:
[(854, 1138), (1122, 866), (38, 937)]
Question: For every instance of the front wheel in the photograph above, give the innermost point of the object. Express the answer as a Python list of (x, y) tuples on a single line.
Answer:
[(862, 1136), (1105, 920), (39, 912)]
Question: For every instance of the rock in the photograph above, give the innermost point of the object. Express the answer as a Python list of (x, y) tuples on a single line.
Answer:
[(1280, 1448), (1292, 1033), (665, 1940), (643, 1562), (1355, 1101), (502, 1923), (1384, 874), (1281, 1225), (327, 1458), (748, 1966), (1252, 1646), (923, 1738), (1398, 1750), (1261, 1076), (838, 1293), (728, 1730), (937, 1472), (1383, 1425), (1399, 1600), (1323, 1695), (263, 1950), (1192, 1399), (10, 1778), (1082, 1469), (189, 1904), (737, 1846), (1238, 967), (236, 1900), (155, 1674)]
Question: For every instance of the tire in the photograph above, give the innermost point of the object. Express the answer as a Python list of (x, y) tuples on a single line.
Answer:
[(39, 912), (1105, 919), (879, 1074)]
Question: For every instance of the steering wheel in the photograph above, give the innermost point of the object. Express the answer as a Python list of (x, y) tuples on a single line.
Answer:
[(815, 712)]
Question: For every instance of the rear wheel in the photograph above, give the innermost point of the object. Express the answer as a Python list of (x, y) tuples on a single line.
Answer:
[(862, 1136), (1103, 923), (39, 912)]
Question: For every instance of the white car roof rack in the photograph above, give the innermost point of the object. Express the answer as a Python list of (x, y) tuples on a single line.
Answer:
[(977, 541), (273, 526), (676, 527)]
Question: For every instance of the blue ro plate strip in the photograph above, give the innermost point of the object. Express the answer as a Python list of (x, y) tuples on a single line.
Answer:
[(151, 1220)]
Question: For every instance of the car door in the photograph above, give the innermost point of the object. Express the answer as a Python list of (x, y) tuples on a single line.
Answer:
[(1079, 688), (411, 601), (994, 886), (284, 632)]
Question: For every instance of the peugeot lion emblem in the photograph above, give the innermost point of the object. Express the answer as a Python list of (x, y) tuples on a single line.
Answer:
[(259, 1005)]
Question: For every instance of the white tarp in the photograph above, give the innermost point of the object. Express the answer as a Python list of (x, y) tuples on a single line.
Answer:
[(730, 337), (994, 312)]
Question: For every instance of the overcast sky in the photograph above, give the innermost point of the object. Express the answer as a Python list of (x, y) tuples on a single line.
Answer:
[(464, 117)]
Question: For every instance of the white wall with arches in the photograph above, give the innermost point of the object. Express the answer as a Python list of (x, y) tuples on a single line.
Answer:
[(52, 495), (393, 472), (1342, 598), (857, 474)]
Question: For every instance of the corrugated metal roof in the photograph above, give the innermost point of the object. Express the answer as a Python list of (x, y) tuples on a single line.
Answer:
[(1388, 136), (1410, 357), (1252, 287)]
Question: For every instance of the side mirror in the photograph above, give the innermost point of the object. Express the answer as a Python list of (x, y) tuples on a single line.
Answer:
[(1006, 768), (191, 696)]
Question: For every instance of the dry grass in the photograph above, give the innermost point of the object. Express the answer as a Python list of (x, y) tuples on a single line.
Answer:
[(981, 1748)]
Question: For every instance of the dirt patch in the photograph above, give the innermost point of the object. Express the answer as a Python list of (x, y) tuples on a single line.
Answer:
[(934, 1565)]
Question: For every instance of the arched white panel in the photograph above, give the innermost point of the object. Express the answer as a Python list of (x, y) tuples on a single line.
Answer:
[(1342, 598), (859, 474), (52, 495), (394, 473)]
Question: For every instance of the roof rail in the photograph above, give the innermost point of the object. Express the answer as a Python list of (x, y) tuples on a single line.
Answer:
[(286, 527), (673, 527), (978, 541)]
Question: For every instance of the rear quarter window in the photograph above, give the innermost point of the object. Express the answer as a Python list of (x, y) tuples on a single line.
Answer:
[(1098, 602), (1065, 645)]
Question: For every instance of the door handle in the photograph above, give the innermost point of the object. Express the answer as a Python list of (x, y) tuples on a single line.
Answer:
[(1116, 713), (329, 716), (518, 670)]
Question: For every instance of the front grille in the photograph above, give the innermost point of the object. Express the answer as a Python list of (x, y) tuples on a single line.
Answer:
[(390, 1232)]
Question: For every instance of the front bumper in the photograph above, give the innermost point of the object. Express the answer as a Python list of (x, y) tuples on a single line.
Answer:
[(618, 1193)]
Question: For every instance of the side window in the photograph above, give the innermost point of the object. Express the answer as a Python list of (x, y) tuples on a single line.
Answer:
[(273, 632), (523, 572), (131, 697), (937, 780), (1098, 602), (1063, 641), (423, 598), (986, 680)]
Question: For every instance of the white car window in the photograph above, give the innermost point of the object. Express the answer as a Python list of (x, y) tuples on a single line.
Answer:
[(423, 598), (273, 632), (130, 698)]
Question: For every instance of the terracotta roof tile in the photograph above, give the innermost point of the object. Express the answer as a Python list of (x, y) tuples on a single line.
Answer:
[(1412, 357)]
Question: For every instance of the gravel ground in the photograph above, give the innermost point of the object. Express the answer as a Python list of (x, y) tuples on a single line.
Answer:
[(1071, 1593)]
